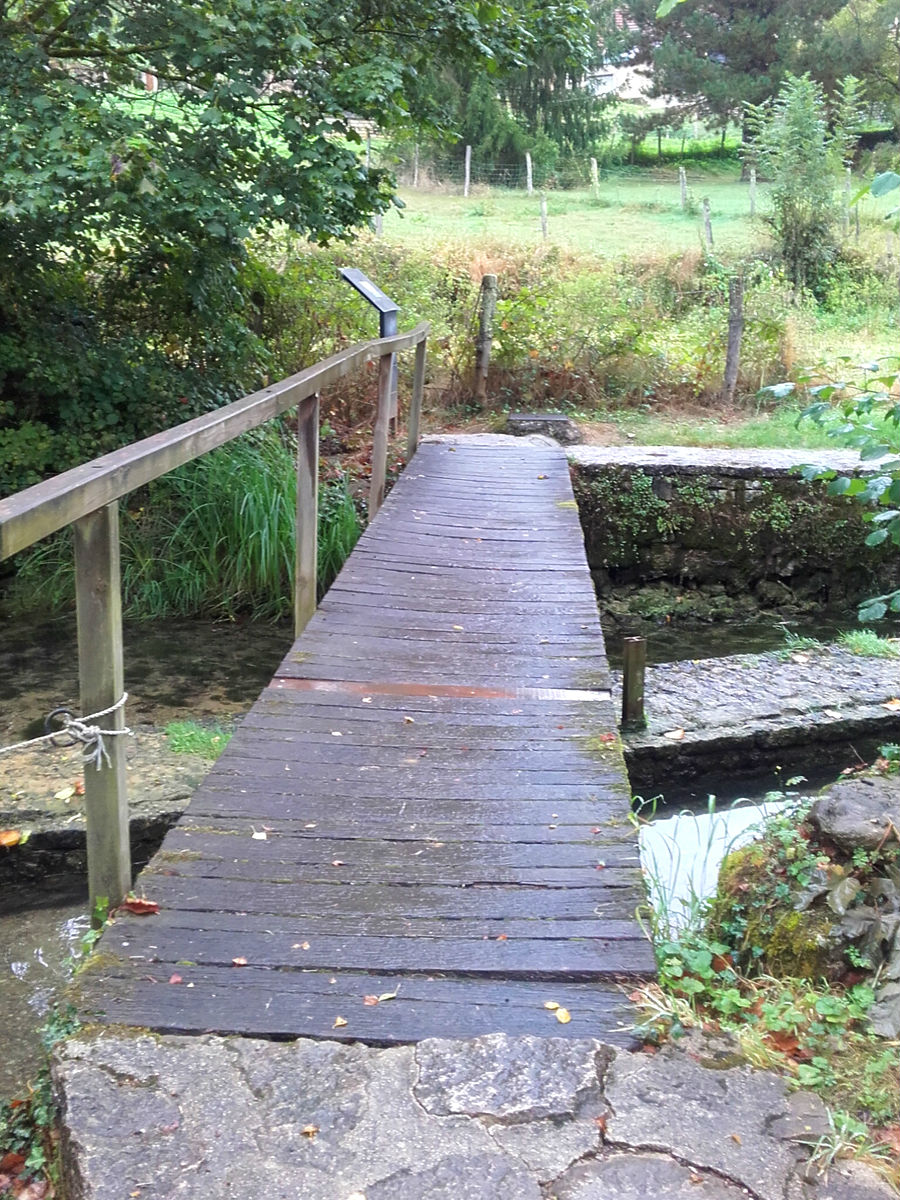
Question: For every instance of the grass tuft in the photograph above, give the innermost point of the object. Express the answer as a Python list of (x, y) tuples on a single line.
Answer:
[(868, 644), (188, 737)]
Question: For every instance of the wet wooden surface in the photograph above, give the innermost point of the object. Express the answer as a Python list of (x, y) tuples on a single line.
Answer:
[(428, 804)]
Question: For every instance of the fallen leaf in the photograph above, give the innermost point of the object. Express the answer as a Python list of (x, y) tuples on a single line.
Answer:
[(65, 793), (337, 862), (606, 737), (601, 1122), (367, 699), (388, 995), (336, 733), (563, 1016), (551, 1004), (175, 979), (800, 658), (239, 962), (410, 720), (12, 1163), (736, 1137), (259, 835), (596, 829), (600, 866), (309, 1131), (458, 628), (339, 1022), (370, 1001), (10, 837), (891, 705), (674, 735), (501, 937), (79, 787), (543, 476), (138, 906)]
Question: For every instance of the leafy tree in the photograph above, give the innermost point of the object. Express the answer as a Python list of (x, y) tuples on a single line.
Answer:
[(863, 38), (723, 55), (801, 151), (123, 213)]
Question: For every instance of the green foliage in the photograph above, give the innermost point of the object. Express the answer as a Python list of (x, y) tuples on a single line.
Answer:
[(868, 644), (214, 536), (862, 410), (796, 146), (189, 737)]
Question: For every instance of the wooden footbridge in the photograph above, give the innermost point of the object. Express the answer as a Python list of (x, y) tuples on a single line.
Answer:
[(421, 827)]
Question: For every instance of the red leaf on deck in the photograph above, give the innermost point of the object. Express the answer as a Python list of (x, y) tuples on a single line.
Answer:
[(175, 979), (139, 906)]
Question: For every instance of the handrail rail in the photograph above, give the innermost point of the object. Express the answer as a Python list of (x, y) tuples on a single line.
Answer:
[(36, 512), (87, 498)]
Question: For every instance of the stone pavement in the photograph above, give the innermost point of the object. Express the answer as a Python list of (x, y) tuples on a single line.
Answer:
[(494, 1118), (732, 712)]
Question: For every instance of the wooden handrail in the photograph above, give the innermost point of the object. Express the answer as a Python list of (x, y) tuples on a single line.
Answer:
[(87, 497), (32, 514)]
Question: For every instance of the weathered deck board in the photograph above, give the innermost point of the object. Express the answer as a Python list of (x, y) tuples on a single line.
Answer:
[(429, 799)]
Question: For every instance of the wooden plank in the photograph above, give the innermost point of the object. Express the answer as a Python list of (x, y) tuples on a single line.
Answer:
[(101, 676)]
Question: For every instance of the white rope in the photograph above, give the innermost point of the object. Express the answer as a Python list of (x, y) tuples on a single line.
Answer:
[(80, 730)]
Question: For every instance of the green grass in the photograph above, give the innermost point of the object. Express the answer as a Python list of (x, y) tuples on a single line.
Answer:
[(188, 737), (775, 430), (868, 644)]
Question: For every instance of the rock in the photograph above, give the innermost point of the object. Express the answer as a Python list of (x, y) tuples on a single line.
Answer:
[(519, 1079), (717, 1120), (642, 1177), (858, 812), (556, 425), (853, 1181), (884, 1015), (482, 1177)]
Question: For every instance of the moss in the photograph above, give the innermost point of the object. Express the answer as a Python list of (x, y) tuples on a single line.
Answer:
[(177, 856), (567, 504), (800, 945)]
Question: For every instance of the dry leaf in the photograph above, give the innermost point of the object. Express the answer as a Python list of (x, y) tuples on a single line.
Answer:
[(370, 1001), (410, 720), (563, 1016), (337, 862), (336, 733), (259, 835), (736, 1137), (138, 906), (458, 628), (65, 793), (799, 658), (674, 735), (389, 995), (175, 979), (501, 937), (10, 837), (551, 1004), (79, 787), (309, 1131), (339, 1022), (367, 699), (891, 705), (239, 962)]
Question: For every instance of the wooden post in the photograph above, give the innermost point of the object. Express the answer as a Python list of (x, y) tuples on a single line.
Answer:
[(487, 308), (416, 166), (634, 663), (543, 216), (99, 606), (595, 178), (368, 149), (380, 434), (682, 183), (306, 561), (735, 331), (707, 223), (379, 224), (468, 176), (415, 405), (529, 176), (753, 191)]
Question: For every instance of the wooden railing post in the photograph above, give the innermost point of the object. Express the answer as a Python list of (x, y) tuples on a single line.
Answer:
[(306, 561), (380, 434), (488, 309), (99, 607), (415, 404), (634, 662)]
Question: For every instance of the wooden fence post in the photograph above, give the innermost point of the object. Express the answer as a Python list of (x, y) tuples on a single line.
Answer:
[(416, 166), (306, 560), (529, 175), (487, 308), (380, 434), (543, 216), (595, 178), (846, 203), (415, 405), (753, 191), (99, 619), (735, 331), (468, 176), (707, 223), (682, 183), (634, 664)]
